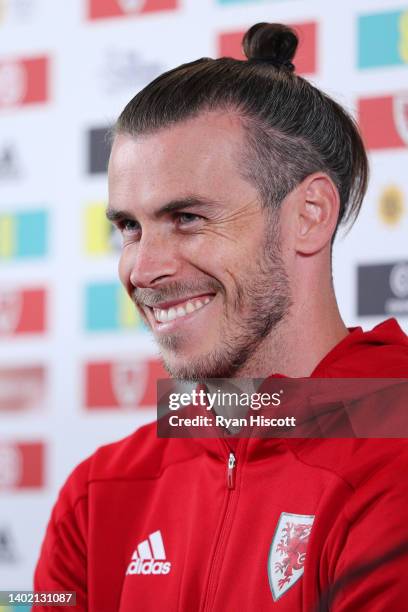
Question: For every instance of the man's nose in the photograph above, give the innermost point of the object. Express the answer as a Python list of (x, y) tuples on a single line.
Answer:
[(154, 261)]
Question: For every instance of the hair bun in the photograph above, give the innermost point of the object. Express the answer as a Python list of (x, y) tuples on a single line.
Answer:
[(273, 42)]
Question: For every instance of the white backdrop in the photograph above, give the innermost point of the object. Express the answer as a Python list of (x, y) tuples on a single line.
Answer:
[(76, 368)]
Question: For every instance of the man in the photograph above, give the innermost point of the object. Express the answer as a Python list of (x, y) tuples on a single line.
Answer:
[(228, 180)]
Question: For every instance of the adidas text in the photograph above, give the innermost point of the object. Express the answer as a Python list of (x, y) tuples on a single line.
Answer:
[(148, 566)]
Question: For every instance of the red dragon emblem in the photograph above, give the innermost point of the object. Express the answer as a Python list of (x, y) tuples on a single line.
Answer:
[(288, 551), (292, 547)]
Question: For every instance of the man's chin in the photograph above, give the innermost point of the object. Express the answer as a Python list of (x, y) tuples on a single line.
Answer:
[(183, 369), (197, 367), (182, 363)]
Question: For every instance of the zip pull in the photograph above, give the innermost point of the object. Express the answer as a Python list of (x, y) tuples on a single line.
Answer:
[(231, 471)]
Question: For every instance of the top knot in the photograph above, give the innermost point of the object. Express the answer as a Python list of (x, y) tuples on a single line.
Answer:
[(271, 42)]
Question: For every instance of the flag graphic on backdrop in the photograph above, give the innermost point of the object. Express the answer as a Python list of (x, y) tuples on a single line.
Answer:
[(384, 121), (109, 308), (239, 1), (101, 238), (24, 81), (98, 9), (23, 234), (21, 465), (123, 384), (22, 311), (383, 39), (229, 45), (22, 388)]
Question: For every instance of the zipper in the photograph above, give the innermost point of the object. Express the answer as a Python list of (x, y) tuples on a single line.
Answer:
[(218, 555), (231, 471)]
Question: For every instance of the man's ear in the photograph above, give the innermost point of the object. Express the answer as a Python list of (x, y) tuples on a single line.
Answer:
[(318, 205)]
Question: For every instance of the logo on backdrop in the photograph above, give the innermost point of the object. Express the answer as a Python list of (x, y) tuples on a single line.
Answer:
[(10, 465), (122, 385), (401, 115), (125, 70), (13, 83), (8, 551), (23, 81), (383, 289), (22, 311), (132, 5), (21, 465), (399, 280), (17, 10), (229, 45), (98, 149), (100, 9), (287, 554), (238, 1), (22, 388), (11, 306), (129, 382), (391, 206), (389, 27), (10, 166), (384, 121)]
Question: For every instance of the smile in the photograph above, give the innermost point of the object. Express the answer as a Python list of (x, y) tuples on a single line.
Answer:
[(164, 315)]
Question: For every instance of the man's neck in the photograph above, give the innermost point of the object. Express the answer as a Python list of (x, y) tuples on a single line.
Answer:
[(298, 344)]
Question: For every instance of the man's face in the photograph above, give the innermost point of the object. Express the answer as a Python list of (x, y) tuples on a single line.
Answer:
[(200, 258)]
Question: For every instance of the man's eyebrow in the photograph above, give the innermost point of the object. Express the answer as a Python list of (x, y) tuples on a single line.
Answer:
[(182, 203), (115, 215)]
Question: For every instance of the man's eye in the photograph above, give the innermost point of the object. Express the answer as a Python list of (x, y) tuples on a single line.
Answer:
[(128, 226), (187, 218)]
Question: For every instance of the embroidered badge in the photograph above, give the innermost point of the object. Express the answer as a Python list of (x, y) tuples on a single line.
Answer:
[(288, 552)]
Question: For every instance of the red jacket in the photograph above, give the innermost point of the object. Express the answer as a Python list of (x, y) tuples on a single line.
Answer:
[(149, 524)]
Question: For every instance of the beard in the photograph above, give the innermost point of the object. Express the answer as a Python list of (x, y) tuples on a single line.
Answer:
[(261, 302)]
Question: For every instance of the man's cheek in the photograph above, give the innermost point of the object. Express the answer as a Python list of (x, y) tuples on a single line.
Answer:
[(125, 271)]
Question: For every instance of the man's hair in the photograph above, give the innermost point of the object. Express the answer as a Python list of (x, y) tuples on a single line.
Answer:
[(292, 128)]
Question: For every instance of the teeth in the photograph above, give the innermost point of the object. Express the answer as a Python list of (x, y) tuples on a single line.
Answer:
[(171, 314), (190, 308), (163, 316)]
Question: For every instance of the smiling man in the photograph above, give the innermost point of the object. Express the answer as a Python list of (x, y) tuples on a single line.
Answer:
[(201, 256), (228, 180)]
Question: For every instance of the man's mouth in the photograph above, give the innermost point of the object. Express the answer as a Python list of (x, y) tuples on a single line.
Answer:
[(181, 309)]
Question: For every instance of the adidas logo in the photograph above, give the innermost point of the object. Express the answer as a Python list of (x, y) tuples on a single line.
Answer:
[(149, 557)]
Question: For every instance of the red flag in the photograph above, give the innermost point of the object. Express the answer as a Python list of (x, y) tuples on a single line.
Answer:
[(384, 121), (22, 311), (24, 81), (99, 9), (21, 465), (129, 384)]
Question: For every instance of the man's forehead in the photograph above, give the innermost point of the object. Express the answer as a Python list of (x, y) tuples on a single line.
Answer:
[(216, 133)]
